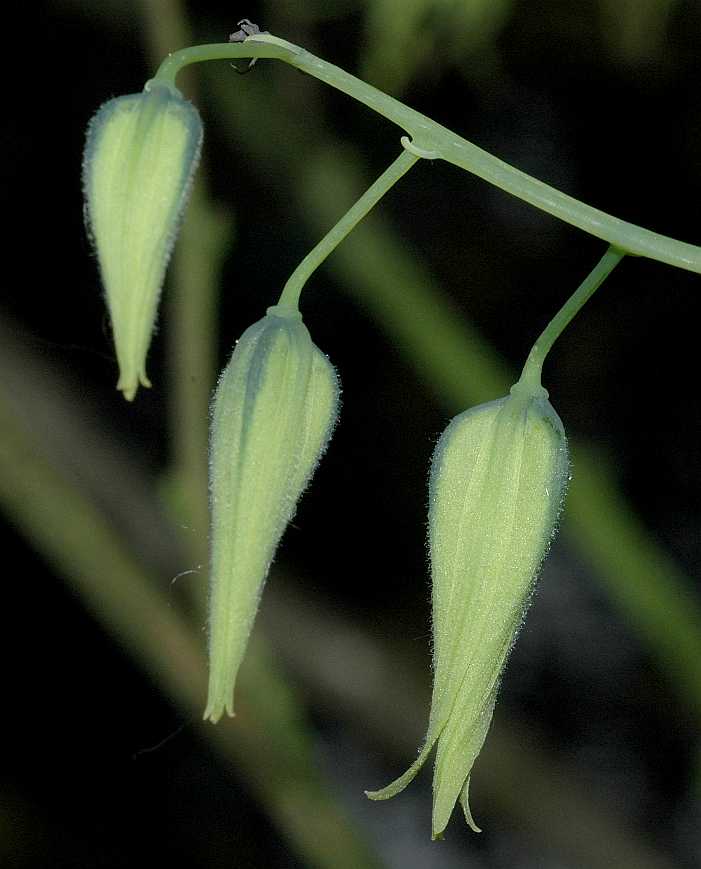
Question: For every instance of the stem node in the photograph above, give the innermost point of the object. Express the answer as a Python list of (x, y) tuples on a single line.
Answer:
[(423, 153)]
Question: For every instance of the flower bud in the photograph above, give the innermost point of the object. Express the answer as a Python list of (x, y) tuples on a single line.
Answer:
[(273, 414), (141, 151), (497, 483)]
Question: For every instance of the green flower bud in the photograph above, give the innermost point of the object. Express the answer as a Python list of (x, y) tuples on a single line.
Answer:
[(140, 154), (273, 413), (497, 483)]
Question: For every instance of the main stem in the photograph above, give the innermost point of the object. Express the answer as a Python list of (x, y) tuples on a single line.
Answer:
[(292, 289), (534, 363), (427, 134)]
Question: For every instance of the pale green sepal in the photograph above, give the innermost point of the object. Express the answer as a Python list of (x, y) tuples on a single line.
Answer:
[(460, 742), (465, 803), (398, 785), (141, 151), (273, 413), (497, 482)]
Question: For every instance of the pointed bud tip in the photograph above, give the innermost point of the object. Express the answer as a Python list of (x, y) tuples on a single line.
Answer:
[(214, 712), (129, 386)]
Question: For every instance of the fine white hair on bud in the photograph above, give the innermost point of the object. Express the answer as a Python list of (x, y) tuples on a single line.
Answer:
[(141, 151), (272, 417), (497, 483)]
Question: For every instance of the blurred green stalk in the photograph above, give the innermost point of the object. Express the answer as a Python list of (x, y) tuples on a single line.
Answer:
[(269, 741)]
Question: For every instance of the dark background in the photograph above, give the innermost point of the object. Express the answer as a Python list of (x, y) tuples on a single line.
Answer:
[(599, 99)]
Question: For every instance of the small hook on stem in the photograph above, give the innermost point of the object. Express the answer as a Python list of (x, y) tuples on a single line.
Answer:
[(408, 145)]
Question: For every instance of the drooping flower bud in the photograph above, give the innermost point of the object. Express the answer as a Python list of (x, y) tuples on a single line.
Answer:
[(497, 483), (273, 413), (141, 151)]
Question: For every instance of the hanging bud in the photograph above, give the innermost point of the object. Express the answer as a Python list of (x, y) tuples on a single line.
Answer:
[(273, 414), (497, 483), (140, 154)]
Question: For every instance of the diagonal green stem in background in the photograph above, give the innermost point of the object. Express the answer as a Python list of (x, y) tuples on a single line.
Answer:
[(192, 329), (367, 681), (268, 742), (192, 316)]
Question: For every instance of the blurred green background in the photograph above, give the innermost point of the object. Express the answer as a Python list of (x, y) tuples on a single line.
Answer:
[(430, 306)]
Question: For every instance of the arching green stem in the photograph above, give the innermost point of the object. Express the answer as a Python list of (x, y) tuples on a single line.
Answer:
[(432, 137), (292, 289), (534, 363)]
